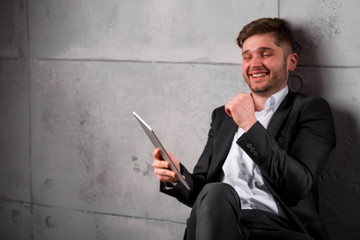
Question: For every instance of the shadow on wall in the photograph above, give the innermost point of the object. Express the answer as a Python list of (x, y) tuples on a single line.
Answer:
[(339, 183)]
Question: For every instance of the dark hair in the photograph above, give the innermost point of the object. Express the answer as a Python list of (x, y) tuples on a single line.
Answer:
[(278, 27)]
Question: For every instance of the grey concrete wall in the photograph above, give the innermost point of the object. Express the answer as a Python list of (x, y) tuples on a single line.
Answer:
[(74, 164)]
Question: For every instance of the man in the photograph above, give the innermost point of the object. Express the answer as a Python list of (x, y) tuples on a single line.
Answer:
[(257, 176)]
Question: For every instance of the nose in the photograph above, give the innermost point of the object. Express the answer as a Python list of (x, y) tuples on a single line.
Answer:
[(255, 61)]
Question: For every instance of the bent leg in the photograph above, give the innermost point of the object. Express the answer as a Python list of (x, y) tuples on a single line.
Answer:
[(215, 214)]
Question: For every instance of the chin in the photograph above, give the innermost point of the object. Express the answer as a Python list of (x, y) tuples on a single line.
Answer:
[(259, 89)]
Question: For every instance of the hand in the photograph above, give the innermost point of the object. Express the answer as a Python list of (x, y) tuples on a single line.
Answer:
[(162, 168), (241, 108)]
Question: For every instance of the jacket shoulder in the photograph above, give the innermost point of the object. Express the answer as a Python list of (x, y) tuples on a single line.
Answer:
[(302, 98)]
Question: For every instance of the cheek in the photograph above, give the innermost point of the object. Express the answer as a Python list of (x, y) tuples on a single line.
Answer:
[(245, 68), (272, 66)]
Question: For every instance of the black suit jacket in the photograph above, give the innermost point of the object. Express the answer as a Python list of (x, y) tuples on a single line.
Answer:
[(290, 153)]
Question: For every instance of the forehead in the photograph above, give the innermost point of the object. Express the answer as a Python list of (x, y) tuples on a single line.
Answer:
[(260, 41)]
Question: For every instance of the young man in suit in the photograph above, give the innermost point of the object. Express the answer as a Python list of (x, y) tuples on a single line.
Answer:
[(257, 176)]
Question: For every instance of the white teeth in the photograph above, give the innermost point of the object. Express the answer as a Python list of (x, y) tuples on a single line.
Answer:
[(256, 75)]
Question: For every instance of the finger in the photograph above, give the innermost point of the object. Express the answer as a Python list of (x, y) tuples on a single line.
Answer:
[(160, 164), (157, 154), (227, 110), (165, 174), (166, 179)]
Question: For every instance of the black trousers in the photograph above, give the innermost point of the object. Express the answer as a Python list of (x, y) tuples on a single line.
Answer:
[(217, 215)]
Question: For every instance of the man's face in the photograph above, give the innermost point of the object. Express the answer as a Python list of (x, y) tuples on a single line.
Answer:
[(266, 67)]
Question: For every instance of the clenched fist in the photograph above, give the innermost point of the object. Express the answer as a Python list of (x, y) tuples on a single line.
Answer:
[(241, 108)]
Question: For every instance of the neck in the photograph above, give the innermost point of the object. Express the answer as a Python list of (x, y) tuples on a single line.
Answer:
[(259, 101), (260, 98)]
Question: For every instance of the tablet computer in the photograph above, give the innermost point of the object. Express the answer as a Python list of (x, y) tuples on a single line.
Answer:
[(157, 144)]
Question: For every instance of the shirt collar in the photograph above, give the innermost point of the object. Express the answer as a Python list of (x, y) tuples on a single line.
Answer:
[(274, 101)]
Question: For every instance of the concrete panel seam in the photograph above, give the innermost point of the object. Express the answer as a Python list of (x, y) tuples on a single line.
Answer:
[(14, 201), (9, 58), (95, 212), (278, 3), (180, 63), (134, 61), (329, 67), (26, 56), (129, 216)]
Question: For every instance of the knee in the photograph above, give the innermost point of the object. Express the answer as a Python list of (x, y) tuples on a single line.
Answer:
[(218, 193), (217, 188)]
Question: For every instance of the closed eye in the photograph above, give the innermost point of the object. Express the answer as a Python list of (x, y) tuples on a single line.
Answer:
[(246, 57), (266, 54)]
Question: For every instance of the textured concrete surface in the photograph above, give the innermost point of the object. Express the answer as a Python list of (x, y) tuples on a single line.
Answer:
[(156, 30), (74, 163)]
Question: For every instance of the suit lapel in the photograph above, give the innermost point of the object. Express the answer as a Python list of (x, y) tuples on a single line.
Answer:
[(281, 114), (222, 146)]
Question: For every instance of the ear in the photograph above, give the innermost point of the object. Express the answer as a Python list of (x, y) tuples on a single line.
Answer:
[(292, 61)]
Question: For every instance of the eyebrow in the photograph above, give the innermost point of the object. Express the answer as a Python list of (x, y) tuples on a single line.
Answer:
[(259, 49)]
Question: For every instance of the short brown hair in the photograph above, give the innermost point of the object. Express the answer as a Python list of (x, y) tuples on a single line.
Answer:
[(278, 27)]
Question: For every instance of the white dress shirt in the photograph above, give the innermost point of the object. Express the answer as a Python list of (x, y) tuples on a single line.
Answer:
[(243, 174)]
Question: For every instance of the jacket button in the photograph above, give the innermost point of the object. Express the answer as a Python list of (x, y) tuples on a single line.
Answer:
[(249, 145), (256, 153), (252, 149)]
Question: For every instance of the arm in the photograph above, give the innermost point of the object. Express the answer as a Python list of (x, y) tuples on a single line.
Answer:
[(293, 169)]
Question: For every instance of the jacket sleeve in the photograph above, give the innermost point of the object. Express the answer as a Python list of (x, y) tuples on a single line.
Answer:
[(292, 172)]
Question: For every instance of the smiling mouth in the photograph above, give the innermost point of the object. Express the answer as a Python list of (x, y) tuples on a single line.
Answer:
[(258, 75)]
